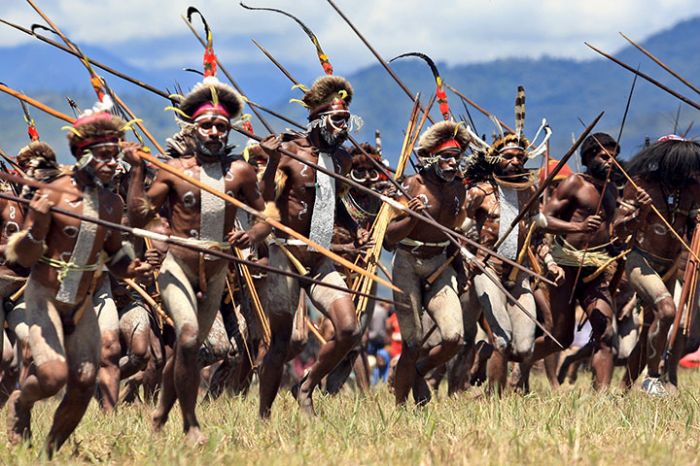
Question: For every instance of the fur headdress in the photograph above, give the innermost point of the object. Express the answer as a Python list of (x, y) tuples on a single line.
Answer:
[(325, 92), (38, 160), (94, 128), (35, 154), (443, 135), (210, 94)]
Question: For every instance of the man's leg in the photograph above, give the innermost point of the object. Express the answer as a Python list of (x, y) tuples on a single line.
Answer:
[(544, 313), (563, 311), (493, 303), (281, 300), (83, 356), (524, 327), (443, 305), (601, 317), (181, 371), (50, 370), (409, 318), (655, 296), (108, 321), (340, 309), (135, 329)]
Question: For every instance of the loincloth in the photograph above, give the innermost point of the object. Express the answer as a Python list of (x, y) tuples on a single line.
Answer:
[(565, 254)]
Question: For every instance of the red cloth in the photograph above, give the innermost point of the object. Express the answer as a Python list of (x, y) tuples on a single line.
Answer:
[(395, 346), (691, 360), (565, 171)]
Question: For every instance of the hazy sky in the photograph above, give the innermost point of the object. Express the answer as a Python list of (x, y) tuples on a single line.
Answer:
[(453, 31)]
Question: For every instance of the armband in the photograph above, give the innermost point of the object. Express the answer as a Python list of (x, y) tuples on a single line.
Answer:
[(13, 242)]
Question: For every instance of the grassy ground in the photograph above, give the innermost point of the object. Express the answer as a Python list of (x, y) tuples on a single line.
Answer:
[(574, 425)]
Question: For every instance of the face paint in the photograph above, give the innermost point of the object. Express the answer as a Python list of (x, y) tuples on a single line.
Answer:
[(212, 132), (446, 164)]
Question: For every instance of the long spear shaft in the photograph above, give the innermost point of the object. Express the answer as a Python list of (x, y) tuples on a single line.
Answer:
[(662, 64), (183, 242), (548, 180), (35, 103), (90, 60), (376, 54), (646, 77), (223, 70), (426, 217), (603, 191), (226, 197), (478, 107), (138, 82), (656, 211), (452, 236)]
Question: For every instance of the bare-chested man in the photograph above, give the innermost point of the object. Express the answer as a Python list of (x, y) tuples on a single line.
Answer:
[(64, 254), (192, 284), (38, 161), (355, 209), (493, 204), (306, 203), (583, 239), (438, 190), (666, 173)]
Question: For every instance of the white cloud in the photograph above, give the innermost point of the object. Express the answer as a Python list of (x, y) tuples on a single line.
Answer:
[(453, 31)]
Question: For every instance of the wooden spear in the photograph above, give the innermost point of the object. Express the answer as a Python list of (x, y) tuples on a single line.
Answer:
[(646, 77), (184, 242), (662, 64)]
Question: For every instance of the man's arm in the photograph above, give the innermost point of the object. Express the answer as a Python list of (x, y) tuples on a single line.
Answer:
[(260, 228), (561, 201), (402, 225), (633, 209), (122, 262), (271, 146), (27, 245), (142, 205)]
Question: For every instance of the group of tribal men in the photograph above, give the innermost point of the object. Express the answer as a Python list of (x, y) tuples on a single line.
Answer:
[(74, 321)]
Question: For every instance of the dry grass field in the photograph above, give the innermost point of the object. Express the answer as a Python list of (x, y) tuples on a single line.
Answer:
[(573, 426)]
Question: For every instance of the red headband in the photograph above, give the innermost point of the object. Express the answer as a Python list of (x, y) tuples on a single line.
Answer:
[(106, 136), (211, 108), (450, 143)]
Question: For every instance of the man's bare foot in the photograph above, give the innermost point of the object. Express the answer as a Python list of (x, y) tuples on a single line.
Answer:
[(421, 391), (195, 437), (18, 420), (306, 402)]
